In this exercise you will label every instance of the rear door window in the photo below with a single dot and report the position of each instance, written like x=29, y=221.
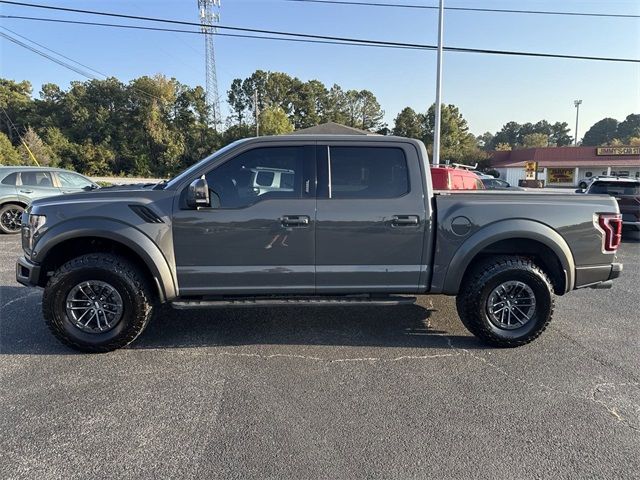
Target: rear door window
x=10, y=179
x=36, y=179
x=367, y=172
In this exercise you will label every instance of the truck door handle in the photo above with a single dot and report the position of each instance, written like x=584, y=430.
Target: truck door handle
x=404, y=220
x=295, y=221
x=26, y=191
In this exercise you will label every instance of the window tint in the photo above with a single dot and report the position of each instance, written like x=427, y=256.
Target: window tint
x=368, y=172
x=73, y=180
x=261, y=174
x=10, y=179
x=36, y=179
x=615, y=188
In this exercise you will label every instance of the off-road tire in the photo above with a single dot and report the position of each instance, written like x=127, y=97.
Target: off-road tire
x=5, y=208
x=125, y=277
x=477, y=286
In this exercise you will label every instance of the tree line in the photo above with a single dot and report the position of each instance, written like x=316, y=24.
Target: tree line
x=157, y=126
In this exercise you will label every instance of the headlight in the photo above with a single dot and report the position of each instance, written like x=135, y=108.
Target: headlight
x=31, y=231
x=36, y=222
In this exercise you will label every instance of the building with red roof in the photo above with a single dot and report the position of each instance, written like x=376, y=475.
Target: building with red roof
x=567, y=166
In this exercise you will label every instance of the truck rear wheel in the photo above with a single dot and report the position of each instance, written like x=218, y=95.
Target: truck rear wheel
x=97, y=303
x=506, y=301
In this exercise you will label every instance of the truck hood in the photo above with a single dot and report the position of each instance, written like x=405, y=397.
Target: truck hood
x=133, y=193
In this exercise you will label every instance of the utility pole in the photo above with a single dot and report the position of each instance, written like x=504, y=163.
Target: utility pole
x=436, y=133
x=577, y=104
x=256, y=111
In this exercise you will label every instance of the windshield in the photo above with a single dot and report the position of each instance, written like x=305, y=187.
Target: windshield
x=179, y=178
x=615, y=188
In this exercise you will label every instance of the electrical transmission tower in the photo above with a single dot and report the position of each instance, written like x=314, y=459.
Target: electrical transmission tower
x=210, y=15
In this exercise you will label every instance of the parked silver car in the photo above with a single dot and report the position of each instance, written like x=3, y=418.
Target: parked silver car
x=19, y=186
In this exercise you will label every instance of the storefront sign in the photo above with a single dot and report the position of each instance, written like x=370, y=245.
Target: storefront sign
x=560, y=175
x=618, y=151
x=530, y=169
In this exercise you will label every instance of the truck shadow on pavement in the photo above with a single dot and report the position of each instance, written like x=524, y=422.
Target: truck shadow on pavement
x=23, y=331
x=408, y=326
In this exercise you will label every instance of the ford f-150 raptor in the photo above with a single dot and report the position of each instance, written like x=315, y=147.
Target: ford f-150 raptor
x=356, y=222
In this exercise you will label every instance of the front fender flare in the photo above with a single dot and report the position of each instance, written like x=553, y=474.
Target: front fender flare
x=122, y=233
x=504, y=230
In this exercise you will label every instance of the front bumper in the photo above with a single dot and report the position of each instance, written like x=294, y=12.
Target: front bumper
x=27, y=272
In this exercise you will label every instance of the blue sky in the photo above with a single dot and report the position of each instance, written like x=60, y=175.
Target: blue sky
x=489, y=90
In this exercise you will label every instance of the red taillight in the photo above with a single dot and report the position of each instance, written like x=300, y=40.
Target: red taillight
x=611, y=224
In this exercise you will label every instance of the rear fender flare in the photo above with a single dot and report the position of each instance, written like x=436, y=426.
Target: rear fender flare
x=504, y=230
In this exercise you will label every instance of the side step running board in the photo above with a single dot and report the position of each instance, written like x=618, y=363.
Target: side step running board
x=294, y=302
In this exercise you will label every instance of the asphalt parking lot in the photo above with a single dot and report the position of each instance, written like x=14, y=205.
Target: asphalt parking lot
x=401, y=392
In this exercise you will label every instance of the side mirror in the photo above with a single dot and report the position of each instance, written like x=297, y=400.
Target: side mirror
x=580, y=190
x=198, y=194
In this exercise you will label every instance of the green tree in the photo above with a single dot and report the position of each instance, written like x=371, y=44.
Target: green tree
x=485, y=141
x=274, y=121
x=457, y=144
x=238, y=132
x=503, y=147
x=238, y=101
x=409, y=124
x=95, y=159
x=37, y=148
x=336, y=106
x=560, y=134
x=533, y=140
x=63, y=153
x=8, y=154
x=629, y=128
x=509, y=134
x=16, y=101
x=308, y=103
x=370, y=114
x=601, y=133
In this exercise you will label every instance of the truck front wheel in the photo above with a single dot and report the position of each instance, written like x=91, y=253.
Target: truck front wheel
x=506, y=301
x=97, y=302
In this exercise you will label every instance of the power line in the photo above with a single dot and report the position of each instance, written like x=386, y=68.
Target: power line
x=194, y=24
x=48, y=57
x=218, y=34
x=332, y=40
x=65, y=64
x=52, y=51
x=467, y=9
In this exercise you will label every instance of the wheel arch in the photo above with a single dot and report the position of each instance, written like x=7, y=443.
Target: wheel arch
x=74, y=237
x=14, y=202
x=519, y=238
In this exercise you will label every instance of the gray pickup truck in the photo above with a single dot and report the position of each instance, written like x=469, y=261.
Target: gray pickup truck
x=354, y=221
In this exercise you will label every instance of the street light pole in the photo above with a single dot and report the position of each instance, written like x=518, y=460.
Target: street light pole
x=436, y=133
x=256, y=111
x=577, y=104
